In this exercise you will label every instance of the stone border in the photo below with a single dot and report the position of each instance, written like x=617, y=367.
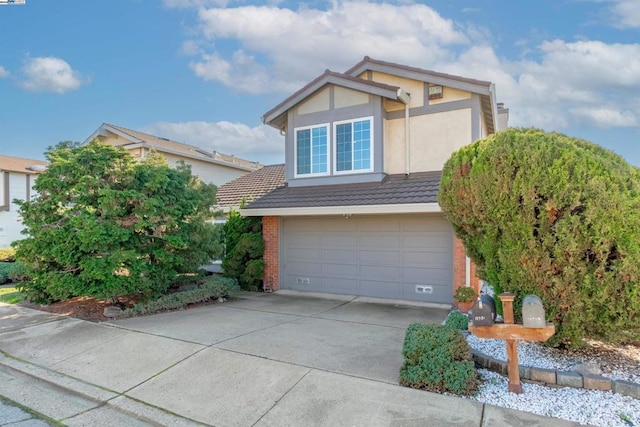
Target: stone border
x=552, y=377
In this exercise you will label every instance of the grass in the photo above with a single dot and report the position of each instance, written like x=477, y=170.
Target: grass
x=11, y=295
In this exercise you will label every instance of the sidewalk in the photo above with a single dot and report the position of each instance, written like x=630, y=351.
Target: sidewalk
x=267, y=360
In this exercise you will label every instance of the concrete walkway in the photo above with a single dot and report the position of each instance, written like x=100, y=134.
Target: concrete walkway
x=268, y=359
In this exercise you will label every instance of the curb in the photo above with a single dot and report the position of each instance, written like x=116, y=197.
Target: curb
x=559, y=378
x=101, y=396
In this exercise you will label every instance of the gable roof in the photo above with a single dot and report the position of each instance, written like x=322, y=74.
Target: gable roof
x=164, y=145
x=485, y=89
x=19, y=164
x=418, y=189
x=276, y=117
x=250, y=186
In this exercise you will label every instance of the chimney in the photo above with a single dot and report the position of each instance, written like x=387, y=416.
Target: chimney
x=503, y=116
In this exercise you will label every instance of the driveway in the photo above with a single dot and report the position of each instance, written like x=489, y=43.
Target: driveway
x=346, y=337
x=268, y=359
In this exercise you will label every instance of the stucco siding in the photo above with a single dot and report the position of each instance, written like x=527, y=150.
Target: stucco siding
x=11, y=221
x=217, y=175
x=433, y=137
x=317, y=102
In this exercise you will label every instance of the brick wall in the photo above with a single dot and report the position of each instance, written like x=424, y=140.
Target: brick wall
x=460, y=267
x=270, y=234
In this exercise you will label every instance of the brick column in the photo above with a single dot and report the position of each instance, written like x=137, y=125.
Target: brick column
x=460, y=267
x=270, y=234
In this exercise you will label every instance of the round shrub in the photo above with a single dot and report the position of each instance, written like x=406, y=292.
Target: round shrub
x=457, y=320
x=555, y=216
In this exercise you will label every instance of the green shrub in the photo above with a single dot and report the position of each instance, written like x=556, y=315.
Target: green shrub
x=209, y=288
x=7, y=254
x=104, y=225
x=245, y=248
x=546, y=214
x=18, y=272
x=457, y=320
x=5, y=267
x=437, y=359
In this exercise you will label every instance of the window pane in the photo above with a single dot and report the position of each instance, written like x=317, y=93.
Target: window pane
x=343, y=147
x=303, y=140
x=319, y=150
x=362, y=145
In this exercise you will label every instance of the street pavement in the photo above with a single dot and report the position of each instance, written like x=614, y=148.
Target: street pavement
x=264, y=359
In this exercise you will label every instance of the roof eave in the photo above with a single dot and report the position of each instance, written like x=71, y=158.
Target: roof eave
x=346, y=210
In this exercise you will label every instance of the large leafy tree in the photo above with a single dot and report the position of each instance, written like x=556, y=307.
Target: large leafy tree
x=104, y=225
x=546, y=214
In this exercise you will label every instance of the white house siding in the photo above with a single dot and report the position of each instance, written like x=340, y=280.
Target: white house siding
x=10, y=221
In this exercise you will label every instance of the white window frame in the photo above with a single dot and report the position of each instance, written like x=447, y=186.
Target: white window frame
x=334, y=147
x=295, y=151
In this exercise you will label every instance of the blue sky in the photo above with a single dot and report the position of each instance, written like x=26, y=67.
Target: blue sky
x=204, y=71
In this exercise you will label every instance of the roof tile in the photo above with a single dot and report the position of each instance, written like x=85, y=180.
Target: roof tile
x=394, y=189
x=251, y=186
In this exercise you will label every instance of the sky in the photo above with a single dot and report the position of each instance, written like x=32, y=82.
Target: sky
x=203, y=72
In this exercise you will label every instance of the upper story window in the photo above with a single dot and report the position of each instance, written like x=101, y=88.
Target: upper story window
x=353, y=146
x=311, y=150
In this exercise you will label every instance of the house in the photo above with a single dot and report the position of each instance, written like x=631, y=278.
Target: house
x=210, y=166
x=17, y=177
x=364, y=150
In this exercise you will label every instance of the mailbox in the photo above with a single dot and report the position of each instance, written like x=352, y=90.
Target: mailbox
x=483, y=312
x=533, y=312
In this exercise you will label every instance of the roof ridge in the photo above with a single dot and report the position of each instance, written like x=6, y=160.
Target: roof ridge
x=24, y=158
x=124, y=129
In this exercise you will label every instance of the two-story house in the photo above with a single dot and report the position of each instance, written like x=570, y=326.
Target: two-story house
x=17, y=178
x=210, y=166
x=364, y=153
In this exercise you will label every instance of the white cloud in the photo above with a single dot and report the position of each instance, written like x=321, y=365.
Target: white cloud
x=3, y=72
x=261, y=143
x=293, y=46
x=626, y=13
x=555, y=85
x=50, y=74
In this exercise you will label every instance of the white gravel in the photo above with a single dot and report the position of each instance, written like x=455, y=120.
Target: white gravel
x=592, y=407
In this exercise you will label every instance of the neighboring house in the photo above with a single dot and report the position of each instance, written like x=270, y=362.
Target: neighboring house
x=17, y=177
x=210, y=166
x=364, y=152
x=249, y=187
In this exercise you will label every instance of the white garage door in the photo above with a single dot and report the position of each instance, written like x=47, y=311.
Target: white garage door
x=405, y=257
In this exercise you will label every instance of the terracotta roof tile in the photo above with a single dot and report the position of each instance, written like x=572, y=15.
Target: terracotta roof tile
x=252, y=186
x=394, y=189
x=19, y=164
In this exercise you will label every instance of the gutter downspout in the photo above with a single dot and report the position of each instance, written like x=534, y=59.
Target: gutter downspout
x=406, y=99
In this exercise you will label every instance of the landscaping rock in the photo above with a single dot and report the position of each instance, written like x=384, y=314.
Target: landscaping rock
x=112, y=311
x=588, y=368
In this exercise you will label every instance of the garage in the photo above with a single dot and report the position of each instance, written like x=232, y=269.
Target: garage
x=407, y=257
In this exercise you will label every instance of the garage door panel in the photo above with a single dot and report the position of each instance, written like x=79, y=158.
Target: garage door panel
x=339, y=226
x=304, y=268
x=340, y=270
x=384, y=257
x=427, y=240
x=343, y=255
x=380, y=272
x=302, y=253
x=376, y=226
x=420, y=275
x=379, y=256
x=382, y=240
x=338, y=240
x=339, y=285
x=426, y=258
x=380, y=289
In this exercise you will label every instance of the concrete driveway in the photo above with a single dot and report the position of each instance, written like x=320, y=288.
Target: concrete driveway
x=269, y=359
